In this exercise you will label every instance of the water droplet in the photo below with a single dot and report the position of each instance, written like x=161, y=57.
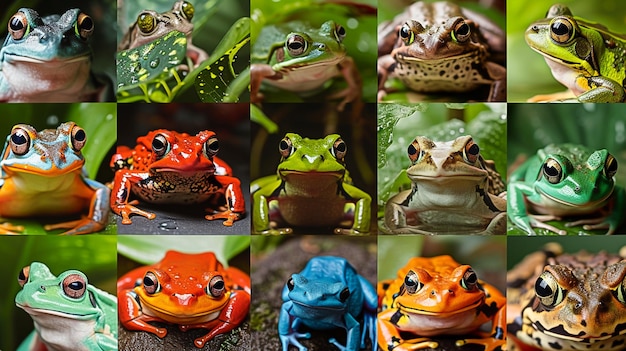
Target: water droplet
x=155, y=63
x=168, y=225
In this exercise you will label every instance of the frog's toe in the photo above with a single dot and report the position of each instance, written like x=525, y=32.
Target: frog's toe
x=126, y=210
x=229, y=216
x=8, y=228
x=336, y=343
x=80, y=226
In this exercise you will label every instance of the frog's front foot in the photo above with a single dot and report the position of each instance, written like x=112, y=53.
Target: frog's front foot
x=415, y=344
x=292, y=339
x=229, y=215
x=127, y=209
x=593, y=224
x=489, y=343
x=8, y=228
x=527, y=223
x=339, y=346
x=79, y=226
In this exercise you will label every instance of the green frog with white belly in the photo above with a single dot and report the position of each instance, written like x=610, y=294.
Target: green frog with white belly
x=299, y=58
x=566, y=180
x=440, y=47
x=584, y=56
x=453, y=190
x=48, y=59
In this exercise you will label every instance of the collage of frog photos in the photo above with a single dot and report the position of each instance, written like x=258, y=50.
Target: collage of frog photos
x=313, y=175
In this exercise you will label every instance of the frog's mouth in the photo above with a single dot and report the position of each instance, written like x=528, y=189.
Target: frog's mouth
x=42, y=312
x=587, y=205
x=469, y=307
x=312, y=309
x=11, y=58
x=52, y=171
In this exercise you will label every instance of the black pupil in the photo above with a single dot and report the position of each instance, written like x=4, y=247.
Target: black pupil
x=551, y=171
x=80, y=135
x=157, y=144
x=612, y=166
x=76, y=286
x=471, y=279
x=341, y=31
x=214, y=146
x=147, y=281
x=474, y=149
x=411, y=150
x=87, y=23
x=463, y=29
x=542, y=288
x=559, y=28
x=16, y=24
x=284, y=145
x=404, y=32
x=295, y=45
x=219, y=285
x=21, y=276
x=18, y=139
x=345, y=293
x=409, y=281
x=341, y=147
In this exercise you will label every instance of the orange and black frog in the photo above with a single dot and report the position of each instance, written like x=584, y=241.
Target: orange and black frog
x=167, y=167
x=434, y=297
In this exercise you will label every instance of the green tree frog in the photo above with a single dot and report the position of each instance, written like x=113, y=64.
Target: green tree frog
x=312, y=188
x=566, y=180
x=68, y=312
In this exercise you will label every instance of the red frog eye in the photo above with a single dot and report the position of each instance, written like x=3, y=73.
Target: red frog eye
x=285, y=147
x=74, y=286
x=216, y=287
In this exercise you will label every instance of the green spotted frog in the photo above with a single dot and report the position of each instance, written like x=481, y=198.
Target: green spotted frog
x=299, y=58
x=48, y=59
x=441, y=47
x=453, y=189
x=565, y=302
x=312, y=188
x=566, y=180
x=68, y=312
x=584, y=56
x=151, y=25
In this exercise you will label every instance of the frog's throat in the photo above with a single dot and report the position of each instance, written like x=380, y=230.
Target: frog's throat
x=588, y=204
x=35, y=312
x=407, y=58
x=52, y=171
x=557, y=60
x=474, y=305
x=181, y=315
x=19, y=58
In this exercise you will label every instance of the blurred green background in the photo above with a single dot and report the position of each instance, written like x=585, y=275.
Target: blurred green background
x=528, y=74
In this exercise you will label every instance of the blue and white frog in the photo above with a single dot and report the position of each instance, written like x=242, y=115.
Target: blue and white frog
x=328, y=294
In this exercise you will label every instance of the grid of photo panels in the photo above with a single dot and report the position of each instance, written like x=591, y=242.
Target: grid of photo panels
x=313, y=175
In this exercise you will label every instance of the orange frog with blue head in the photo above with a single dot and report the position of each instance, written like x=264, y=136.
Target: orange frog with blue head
x=190, y=290
x=167, y=167
x=41, y=174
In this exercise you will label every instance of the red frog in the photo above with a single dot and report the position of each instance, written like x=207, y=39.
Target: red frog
x=167, y=167
x=190, y=290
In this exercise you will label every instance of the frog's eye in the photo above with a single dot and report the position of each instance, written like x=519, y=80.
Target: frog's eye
x=610, y=166
x=412, y=283
x=216, y=287
x=296, y=45
x=414, y=151
x=74, y=286
x=151, y=283
x=339, y=149
x=340, y=33
x=344, y=294
x=22, y=277
x=461, y=32
x=469, y=280
x=84, y=26
x=471, y=151
x=211, y=147
x=553, y=171
x=561, y=30
x=548, y=290
x=146, y=22
x=188, y=10
x=406, y=34
x=20, y=141
x=160, y=145
x=291, y=284
x=286, y=147
x=18, y=26
x=78, y=138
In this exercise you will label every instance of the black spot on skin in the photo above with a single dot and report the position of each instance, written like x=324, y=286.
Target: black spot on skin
x=555, y=345
x=441, y=73
x=395, y=318
x=617, y=342
x=489, y=310
x=583, y=323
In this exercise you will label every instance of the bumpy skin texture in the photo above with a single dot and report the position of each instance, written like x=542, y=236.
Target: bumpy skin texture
x=192, y=291
x=566, y=301
x=167, y=167
x=327, y=294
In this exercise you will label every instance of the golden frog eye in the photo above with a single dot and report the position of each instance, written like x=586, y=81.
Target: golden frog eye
x=188, y=10
x=146, y=23
x=562, y=30
x=160, y=145
x=339, y=149
x=20, y=141
x=340, y=33
x=412, y=283
x=610, y=166
x=74, y=286
x=414, y=151
x=22, y=277
x=84, y=26
x=296, y=45
x=406, y=34
x=151, y=283
x=18, y=26
x=552, y=170
x=286, y=147
x=469, y=280
x=78, y=138
x=211, y=147
x=548, y=290
x=461, y=31
x=216, y=287
x=471, y=151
